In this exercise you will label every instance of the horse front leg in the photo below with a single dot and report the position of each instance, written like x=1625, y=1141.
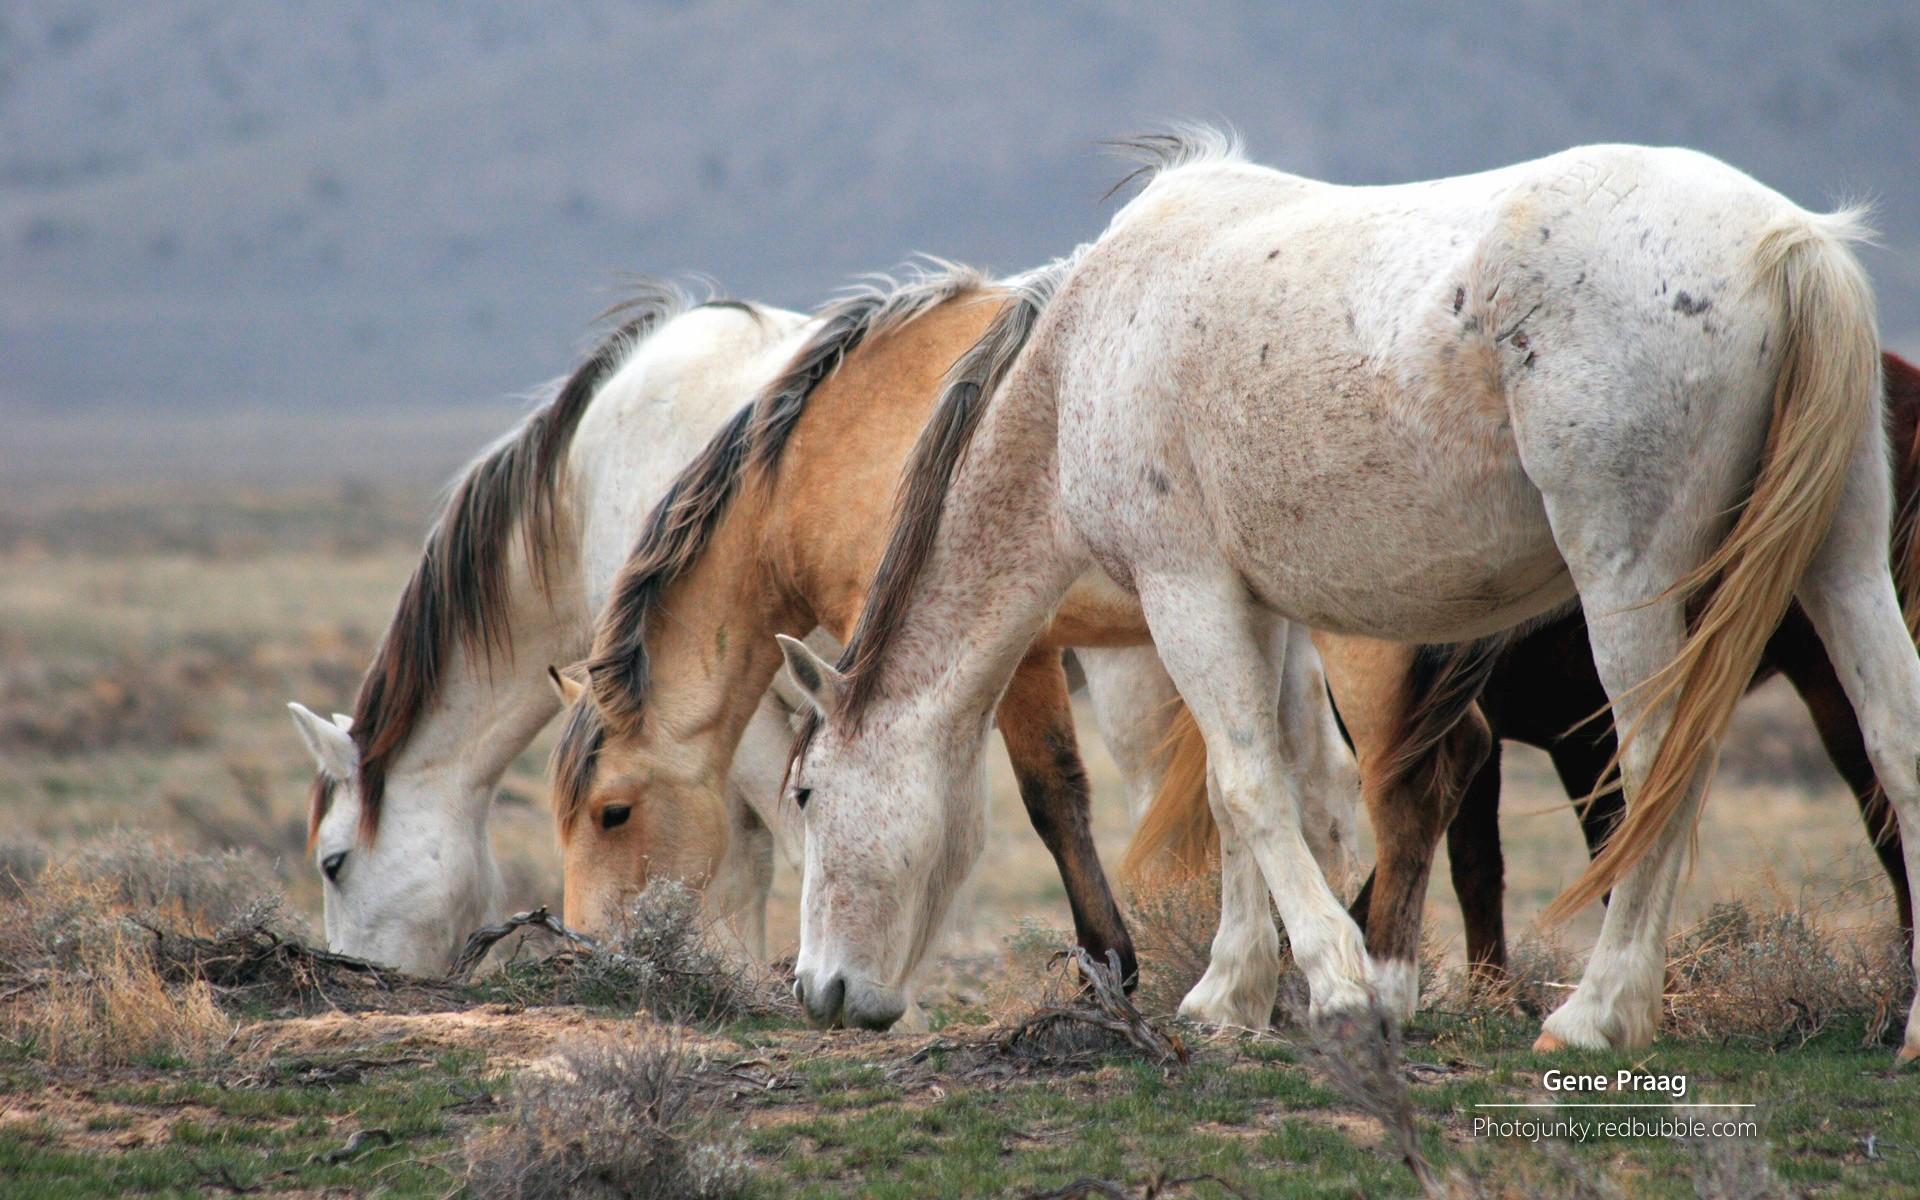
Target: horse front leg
x=1036, y=720
x=1227, y=658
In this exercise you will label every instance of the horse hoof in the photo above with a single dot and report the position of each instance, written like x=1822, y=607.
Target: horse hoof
x=1546, y=1043
x=1906, y=1056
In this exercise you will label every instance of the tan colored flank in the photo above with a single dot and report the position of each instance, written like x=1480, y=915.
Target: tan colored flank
x=1823, y=399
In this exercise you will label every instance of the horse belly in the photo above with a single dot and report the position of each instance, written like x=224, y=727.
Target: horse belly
x=1330, y=514
x=1374, y=571
x=1355, y=521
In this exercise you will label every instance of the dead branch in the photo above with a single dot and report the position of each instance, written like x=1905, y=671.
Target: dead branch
x=483, y=939
x=1359, y=1053
x=1110, y=1009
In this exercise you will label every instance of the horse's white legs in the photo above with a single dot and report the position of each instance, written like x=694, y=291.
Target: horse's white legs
x=1240, y=983
x=1228, y=658
x=756, y=853
x=744, y=878
x=1243, y=969
x=1624, y=549
x=1132, y=697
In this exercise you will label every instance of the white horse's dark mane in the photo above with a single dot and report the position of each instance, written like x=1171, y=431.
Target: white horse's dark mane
x=457, y=596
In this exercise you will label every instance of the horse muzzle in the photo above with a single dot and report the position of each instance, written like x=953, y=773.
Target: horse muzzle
x=832, y=1001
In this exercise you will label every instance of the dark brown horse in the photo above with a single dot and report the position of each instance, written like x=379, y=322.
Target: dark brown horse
x=1541, y=689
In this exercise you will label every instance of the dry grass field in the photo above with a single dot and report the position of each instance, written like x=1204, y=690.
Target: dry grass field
x=151, y=631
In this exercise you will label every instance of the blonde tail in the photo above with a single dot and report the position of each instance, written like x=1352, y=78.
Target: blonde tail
x=1176, y=839
x=1823, y=400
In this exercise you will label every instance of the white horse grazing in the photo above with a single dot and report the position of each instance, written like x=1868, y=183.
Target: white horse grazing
x=513, y=570
x=1422, y=412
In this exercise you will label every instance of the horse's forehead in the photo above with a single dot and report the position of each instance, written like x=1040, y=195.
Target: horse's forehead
x=340, y=824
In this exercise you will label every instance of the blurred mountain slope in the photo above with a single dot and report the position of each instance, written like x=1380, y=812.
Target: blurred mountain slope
x=206, y=206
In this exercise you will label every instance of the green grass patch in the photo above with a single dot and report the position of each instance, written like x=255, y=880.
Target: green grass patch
x=277, y=1138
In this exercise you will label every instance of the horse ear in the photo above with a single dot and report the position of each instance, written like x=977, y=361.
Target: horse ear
x=331, y=746
x=569, y=690
x=820, y=683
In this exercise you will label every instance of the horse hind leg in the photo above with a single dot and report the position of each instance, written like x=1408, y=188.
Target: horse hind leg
x=1410, y=804
x=1848, y=592
x=1479, y=872
x=1626, y=536
x=1803, y=660
x=1618, y=1001
x=1133, y=704
x=1328, y=776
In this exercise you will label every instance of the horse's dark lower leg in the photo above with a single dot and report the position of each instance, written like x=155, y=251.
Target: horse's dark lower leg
x=1480, y=872
x=1580, y=763
x=1037, y=722
x=1409, y=818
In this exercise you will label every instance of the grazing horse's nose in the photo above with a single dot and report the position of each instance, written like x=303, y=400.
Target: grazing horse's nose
x=870, y=1007
x=822, y=1001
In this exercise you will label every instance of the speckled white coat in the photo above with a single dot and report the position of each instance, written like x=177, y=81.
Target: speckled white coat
x=1421, y=412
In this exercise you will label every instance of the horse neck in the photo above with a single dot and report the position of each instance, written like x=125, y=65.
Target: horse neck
x=834, y=490
x=711, y=651
x=488, y=708
x=1003, y=558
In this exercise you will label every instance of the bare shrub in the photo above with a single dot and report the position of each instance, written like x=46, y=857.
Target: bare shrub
x=124, y=950
x=1777, y=978
x=1540, y=969
x=619, y=1118
x=666, y=959
x=118, y=1009
x=81, y=983
x=259, y=963
x=20, y=864
x=1027, y=979
x=1173, y=923
x=1359, y=1055
x=1096, y=1019
x=163, y=883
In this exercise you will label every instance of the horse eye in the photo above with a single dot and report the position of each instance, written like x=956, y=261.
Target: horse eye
x=802, y=795
x=330, y=865
x=615, y=815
